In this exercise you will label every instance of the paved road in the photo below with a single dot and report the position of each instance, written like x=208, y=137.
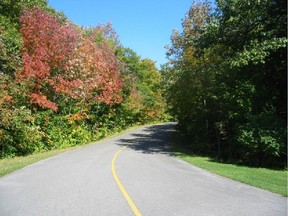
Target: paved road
x=80, y=182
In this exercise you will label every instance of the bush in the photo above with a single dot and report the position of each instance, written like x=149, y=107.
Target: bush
x=263, y=140
x=19, y=135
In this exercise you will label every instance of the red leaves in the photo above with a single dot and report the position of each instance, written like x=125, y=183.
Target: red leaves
x=45, y=36
x=58, y=59
x=34, y=67
x=48, y=44
x=110, y=87
x=65, y=86
x=96, y=67
x=42, y=101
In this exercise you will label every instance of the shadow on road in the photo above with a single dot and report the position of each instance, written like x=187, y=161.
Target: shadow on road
x=151, y=140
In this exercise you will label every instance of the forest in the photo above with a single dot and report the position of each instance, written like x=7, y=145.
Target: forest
x=225, y=81
x=64, y=85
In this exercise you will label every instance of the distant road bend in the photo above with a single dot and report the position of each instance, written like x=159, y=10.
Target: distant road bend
x=99, y=179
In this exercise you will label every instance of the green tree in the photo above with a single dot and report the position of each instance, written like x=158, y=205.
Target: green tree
x=227, y=79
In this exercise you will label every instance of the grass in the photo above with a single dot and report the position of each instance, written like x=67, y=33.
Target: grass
x=9, y=165
x=267, y=179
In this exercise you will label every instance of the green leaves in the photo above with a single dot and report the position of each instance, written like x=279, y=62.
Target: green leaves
x=49, y=64
x=225, y=68
x=143, y=99
x=263, y=139
x=256, y=52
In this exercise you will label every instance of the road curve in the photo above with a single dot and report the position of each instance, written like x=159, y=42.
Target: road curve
x=81, y=182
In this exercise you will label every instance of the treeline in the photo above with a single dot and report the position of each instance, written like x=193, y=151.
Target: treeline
x=226, y=81
x=62, y=85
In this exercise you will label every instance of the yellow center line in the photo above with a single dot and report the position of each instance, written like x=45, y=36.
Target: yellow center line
x=120, y=185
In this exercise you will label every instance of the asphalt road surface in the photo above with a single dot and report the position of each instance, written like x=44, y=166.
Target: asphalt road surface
x=81, y=182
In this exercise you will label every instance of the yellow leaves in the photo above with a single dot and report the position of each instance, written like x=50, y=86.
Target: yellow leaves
x=77, y=117
x=135, y=101
x=189, y=53
x=151, y=113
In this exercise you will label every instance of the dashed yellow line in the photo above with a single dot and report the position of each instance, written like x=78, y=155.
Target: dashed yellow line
x=121, y=187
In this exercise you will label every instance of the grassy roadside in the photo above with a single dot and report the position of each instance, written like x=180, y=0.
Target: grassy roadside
x=267, y=179
x=9, y=165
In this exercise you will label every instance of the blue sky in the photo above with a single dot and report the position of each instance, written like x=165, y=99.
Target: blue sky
x=142, y=25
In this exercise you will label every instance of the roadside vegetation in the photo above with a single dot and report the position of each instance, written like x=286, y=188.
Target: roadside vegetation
x=63, y=85
x=268, y=179
x=226, y=81
x=226, y=84
x=9, y=165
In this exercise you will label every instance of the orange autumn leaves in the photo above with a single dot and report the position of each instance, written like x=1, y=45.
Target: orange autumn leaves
x=61, y=59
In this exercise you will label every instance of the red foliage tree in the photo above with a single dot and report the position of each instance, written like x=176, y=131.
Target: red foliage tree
x=48, y=44
x=60, y=59
x=96, y=66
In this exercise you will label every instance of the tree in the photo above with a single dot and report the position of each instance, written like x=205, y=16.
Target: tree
x=220, y=73
x=48, y=45
x=57, y=58
x=62, y=85
x=143, y=91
